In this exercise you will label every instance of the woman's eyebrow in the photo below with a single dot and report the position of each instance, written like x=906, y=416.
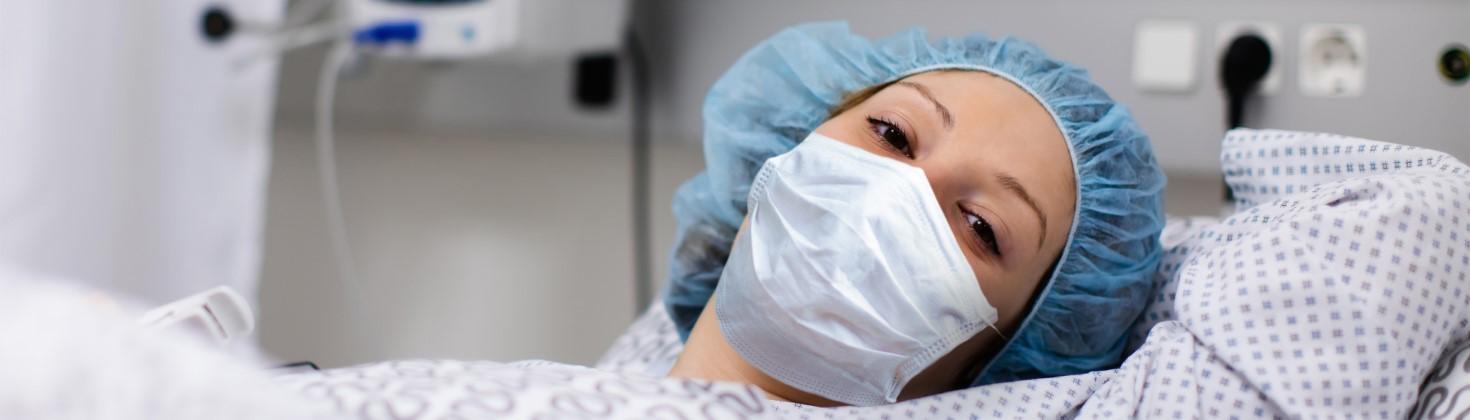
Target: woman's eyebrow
x=924, y=91
x=1013, y=185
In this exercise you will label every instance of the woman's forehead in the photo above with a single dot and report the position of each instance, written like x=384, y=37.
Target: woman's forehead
x=996, y=116
x=974, y=88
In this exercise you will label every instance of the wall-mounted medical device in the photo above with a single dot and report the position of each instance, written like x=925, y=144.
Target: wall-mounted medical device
x=447, y=29
x=433, y=29
x=591, y=31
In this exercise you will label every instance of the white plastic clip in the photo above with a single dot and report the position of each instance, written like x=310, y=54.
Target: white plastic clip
x=220, y=313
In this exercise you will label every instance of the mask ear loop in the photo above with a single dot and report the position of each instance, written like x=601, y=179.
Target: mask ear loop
x=974, y=370
x=998, y=332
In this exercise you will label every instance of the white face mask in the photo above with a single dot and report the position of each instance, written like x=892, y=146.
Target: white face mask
x=848, y=281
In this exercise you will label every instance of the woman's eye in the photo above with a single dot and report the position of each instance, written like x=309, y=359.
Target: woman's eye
x=983, y=231
x=892, y=135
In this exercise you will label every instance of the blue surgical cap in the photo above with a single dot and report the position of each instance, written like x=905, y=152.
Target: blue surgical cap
x=785, y=87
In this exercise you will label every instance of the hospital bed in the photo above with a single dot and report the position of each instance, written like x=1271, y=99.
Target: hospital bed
x=1338, y=287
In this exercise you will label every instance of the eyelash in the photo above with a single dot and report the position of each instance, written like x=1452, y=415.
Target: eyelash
x=983, y=231
x=884, y=128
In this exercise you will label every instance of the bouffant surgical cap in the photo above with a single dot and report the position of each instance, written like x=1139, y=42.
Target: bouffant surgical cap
x=785, y=87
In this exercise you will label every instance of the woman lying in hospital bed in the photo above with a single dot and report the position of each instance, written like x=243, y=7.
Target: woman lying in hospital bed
x=966, y=227
x=962, y=212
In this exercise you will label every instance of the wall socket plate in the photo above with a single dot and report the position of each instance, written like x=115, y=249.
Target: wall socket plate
x=1164, y=55
x=1333, y=60
x=1227, y=31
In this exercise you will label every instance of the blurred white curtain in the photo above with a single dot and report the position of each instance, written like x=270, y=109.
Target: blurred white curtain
x=133, y=153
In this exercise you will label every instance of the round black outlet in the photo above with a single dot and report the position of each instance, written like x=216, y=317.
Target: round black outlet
x=1454, y=64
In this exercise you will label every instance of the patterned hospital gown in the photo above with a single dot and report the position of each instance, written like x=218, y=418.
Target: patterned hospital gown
x=1330, y=293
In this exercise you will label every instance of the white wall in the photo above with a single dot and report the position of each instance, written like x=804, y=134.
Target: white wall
x=468, y=246
x=1405, y=100
x=133, y=152
x=490, y=216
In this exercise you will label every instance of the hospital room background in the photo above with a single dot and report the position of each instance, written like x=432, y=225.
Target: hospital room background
x=490, y=209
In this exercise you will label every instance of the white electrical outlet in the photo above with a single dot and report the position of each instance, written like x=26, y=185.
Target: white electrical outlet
x=1334, y=60
x=1227, y=31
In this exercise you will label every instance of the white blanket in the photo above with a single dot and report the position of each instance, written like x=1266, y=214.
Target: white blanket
x=69, y=352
